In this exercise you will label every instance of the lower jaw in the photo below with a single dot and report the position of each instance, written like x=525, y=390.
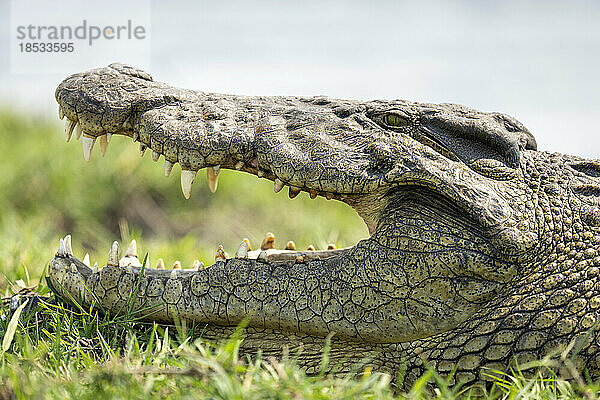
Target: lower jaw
x=206, y=295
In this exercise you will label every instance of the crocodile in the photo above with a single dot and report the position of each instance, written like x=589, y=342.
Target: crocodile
x=483, y=253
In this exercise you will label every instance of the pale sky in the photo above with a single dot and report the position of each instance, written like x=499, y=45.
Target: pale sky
x=538, y=61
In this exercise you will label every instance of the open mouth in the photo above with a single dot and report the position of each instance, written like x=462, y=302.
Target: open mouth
x=265, y=251
x=424, y=178
x=299, y=144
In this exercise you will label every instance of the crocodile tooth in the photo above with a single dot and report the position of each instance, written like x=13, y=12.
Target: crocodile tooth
x=290, y=245
x=239, y=165
x=262, y=256
x=155, y=156
x=88, y=145
x=61, y=252
x=260, y=173
x=68, y=248
x=103, y=142
x=331, y=246
x=131, y=249
x=242, y=251
x=78, y=131
x=187, y=178
x=293, y=192
x=160, y=264
x=69, y=126
x=168, y=167
x=198, y=265
x=95, y=268
x=313, y=194
x=113, y=255
x=310, y=247
x=131, y=257
x=108, y=137
x=173, y=274
x=61, y=113
x=212, y=173
x=299, y=258
x=277, y=185
x=247, y=243
x=73, y=268
x=268, y=242
x=143, y=148
x=177, y=265
x=328, y=195
x=220, y=255
x=86, y=259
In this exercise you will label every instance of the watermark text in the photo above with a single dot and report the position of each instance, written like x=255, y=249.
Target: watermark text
x=78, y=34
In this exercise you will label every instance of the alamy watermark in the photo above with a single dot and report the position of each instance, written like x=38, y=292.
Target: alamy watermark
x=70, y=35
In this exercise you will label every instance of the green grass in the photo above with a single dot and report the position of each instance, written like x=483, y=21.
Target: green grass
x=53, y=351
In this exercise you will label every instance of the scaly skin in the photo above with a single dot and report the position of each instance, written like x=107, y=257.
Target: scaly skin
x=483, y=251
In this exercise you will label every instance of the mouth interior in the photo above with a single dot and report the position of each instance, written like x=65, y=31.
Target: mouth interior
x=266, y=251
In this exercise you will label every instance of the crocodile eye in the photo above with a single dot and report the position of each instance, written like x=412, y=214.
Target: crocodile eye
x=394, y=120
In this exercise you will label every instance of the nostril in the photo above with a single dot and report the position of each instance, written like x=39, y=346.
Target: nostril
x=132, y=71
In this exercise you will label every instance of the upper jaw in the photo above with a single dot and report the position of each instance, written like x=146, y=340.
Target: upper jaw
x=199, y=130
x=310, y=145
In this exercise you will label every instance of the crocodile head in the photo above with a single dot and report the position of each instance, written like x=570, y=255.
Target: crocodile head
x=360, y=153
x=461, y=208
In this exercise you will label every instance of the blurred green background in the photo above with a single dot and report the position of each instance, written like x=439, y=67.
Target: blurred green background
x=47, y=190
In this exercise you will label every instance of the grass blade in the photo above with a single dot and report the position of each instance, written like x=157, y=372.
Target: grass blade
x=12, y=327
